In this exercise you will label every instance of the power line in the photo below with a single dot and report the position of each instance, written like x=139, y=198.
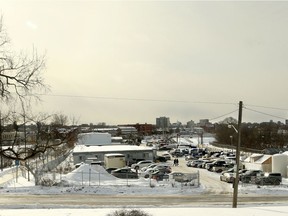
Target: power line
x=161, y=100
x=263, y=113
x=138, y=99
x=177, y=101
x=223, y=115
x=267, y=107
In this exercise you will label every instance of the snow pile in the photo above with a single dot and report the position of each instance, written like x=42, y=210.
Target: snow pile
x=85, y=171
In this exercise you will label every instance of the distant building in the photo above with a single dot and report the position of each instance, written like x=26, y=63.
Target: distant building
x=125, y=130
x=163, y=123
x=142, y=129
x=94, y=139
x=190, y=124
x=206, y=125
x=203, y=122
x=10, y=138
x=113, y=130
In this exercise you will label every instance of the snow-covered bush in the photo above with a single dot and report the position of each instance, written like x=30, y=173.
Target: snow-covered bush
x=132, y=212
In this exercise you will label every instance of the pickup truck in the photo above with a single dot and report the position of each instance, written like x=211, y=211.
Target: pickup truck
x=269, y=179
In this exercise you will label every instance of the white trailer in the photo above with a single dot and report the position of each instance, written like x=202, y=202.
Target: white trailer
x=114, y=161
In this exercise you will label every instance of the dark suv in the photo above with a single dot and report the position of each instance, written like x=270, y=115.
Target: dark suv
x=269, y=179
x=250, y=175
x=209, y=166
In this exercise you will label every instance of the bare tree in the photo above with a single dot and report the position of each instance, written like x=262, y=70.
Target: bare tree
x=20, y=74
x=37, y=144
x=40, y=138
x=60, y=119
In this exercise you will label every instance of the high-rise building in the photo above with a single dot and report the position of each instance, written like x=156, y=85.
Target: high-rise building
x=163, y=122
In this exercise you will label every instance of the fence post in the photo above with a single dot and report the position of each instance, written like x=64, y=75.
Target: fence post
x=89, y=175
x=99, y=178
x=198, y=177
x=82, y=177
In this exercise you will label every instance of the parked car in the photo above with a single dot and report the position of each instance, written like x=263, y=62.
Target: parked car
x=160, y=159
x=146, y=173
x=250, y=175
x=179, y=177
x=165, y=148
x=231, y=170
x=164, y=168
x=124, y=172
x=227, y=177
x=209, y=166
x=143, y=169
x=220, y=168
x=141, y=164
x=269, y=179
x=188, y=163
x=193, y=163
x=203, y=164
x=159, y=175
x=177, y=153
x=167, y=156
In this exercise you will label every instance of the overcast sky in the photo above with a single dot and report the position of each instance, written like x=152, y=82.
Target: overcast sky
x=133, y=61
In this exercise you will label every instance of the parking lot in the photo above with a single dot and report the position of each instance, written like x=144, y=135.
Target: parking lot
x=209, y=180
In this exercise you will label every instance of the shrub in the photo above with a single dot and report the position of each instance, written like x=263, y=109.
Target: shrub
x=132, y=212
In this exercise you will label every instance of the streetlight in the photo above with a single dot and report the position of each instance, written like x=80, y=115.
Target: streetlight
x=232, y=126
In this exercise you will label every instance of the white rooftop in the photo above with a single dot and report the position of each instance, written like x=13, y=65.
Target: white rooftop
x=107, y=148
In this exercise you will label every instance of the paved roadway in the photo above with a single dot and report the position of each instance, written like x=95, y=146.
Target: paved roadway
x=217, y=194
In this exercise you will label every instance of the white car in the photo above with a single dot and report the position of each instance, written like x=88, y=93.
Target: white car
x=141, y=164
x=146, y=173
x=143, y=169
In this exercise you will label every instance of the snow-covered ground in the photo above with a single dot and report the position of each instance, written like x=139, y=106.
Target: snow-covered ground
x=74, y=182
x=247, y=211
x=107, y=184
x=112, y=186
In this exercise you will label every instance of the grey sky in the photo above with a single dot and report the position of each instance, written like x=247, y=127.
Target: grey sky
x=133, y=61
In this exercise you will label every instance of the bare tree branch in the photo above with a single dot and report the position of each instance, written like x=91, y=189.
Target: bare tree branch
x=19, y=74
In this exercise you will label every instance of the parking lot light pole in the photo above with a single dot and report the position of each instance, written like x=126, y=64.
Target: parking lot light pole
x=231, y=143
x=235, y=185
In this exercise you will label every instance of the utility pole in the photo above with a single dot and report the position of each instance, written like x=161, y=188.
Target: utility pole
x=236, y=181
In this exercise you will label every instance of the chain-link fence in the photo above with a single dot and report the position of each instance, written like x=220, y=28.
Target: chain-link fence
x=9, y=175
x=92, y=177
